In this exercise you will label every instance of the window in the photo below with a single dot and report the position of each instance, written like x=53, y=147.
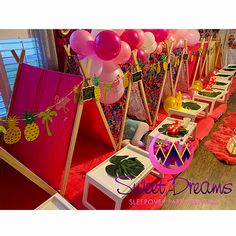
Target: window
x=33, y=57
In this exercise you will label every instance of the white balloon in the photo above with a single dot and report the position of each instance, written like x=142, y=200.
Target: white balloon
x=95, y=32
x=151, y=48
x=149, y=39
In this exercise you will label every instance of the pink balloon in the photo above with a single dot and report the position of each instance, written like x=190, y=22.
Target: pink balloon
x=141, y=37
x=160, y=34
x=119, y=32
x=159, y=48
x=180, y=44
x=82, y=42
x=142, y=55
x=181, y=34
x=109, y=66
x=107, y=45
x=131, y=37
x=115, y=79
x=124, y=54
x=186, y=96
x=192, y=37
x=172, y=31
x=192, y=91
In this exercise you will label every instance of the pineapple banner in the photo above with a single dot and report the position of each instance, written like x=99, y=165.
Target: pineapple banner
x=42, y=93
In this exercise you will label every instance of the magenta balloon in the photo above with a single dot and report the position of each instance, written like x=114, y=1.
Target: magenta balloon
x=160, y=34
x=193, y=37
x=82, y=42
x=186, y=96
x=142, y=55
x=115, y=79
x=141, y=37
x=124, y=54
x=131, y=37
x=107, y=45
x=192, y=91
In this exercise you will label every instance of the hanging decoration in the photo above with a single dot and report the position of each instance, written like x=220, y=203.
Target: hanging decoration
x=13, y=133
x=47, y=116
x=31, y=131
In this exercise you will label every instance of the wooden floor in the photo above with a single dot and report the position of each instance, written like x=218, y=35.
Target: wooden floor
x=205, y=167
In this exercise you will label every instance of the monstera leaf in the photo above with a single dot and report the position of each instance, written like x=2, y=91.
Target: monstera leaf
x=191, y=105
x=220, y=83
x=124, y=167
x=209, y=94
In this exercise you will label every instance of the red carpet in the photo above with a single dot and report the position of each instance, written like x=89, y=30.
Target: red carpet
x=219, y=139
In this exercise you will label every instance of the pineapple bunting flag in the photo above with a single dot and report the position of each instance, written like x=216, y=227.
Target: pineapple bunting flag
x=31, y=131
x=13, y=132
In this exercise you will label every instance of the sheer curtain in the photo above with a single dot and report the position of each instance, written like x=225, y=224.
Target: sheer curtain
x=229, y=54
x=46, y=45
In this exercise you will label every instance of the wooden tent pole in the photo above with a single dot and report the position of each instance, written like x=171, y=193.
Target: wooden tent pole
x=13, y=162
x=162, y=88
x=204, y=65
x=170, y=74
x=218, y=51
x=198, y=61
x=124, y=117
x=180, y=66
x=140, y=83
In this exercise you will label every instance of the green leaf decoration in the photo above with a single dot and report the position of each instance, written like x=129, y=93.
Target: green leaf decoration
x=117, y=159
x=140, y=63
x=222, y=75
x=191, y=105
x=209, y=94
x=221, y=83
x=228, y=69
x=95, y=80
x=29, y=117
x=124, y=167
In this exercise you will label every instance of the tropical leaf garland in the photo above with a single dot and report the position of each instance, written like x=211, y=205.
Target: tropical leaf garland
x=124, y=167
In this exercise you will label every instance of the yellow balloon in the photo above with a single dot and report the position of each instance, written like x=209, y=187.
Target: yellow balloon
x=170, y=102
x=199, y=88
x=198, y=83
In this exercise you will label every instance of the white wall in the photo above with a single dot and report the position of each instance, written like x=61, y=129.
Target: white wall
x=14, y=33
